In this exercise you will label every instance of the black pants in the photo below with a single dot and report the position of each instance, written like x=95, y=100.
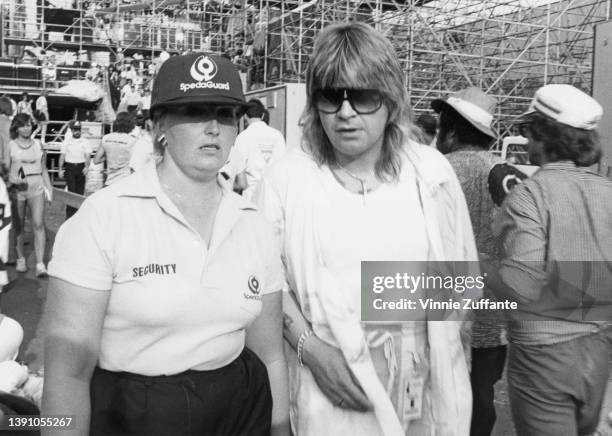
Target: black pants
x=487, y=369
x=233, y=400
x=75, y=180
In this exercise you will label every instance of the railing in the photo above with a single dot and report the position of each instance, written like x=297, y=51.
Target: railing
x=23, y=75
x=68, y=198
x=142, y=32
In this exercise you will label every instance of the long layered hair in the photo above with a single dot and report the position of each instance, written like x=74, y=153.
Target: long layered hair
x=354, y=55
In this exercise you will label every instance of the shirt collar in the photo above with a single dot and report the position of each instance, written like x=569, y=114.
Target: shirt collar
x=255, y=123
x=560, y=165
x=145, y=184
x=430, y=173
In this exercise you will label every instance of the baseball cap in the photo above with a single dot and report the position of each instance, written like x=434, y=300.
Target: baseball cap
x=197, y=78
x=473, y=105
x=75, y=125
x=566, y=105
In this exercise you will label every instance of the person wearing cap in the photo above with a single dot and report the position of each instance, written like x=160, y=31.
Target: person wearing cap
x=165, y=290
x=360, y=188
x=74, y=160
x=555, y=235
x=256, y=148
x=464, y=137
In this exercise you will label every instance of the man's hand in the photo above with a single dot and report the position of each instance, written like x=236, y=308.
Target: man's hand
x=60, y=173
x=85, y=169
x=333, y=376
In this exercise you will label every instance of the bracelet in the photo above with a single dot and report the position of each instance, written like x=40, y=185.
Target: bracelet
x=300, y=345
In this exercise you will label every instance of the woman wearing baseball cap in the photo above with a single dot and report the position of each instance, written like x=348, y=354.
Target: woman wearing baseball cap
x=360, y=190
x=164, y=316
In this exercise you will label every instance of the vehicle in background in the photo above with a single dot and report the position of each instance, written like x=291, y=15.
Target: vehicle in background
x=514, y=151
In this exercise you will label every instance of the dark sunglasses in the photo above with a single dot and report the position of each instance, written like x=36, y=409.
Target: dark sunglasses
x=363, y=101
x=223, y=114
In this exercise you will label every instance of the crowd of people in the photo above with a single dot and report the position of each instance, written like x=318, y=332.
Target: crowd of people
x=171, y=295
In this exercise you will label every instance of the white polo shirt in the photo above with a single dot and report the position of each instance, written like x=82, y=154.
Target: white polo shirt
x=260, y=145
x=174, y=304
x=75, y=150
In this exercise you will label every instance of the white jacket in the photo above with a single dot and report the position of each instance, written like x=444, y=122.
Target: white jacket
x=293, y=197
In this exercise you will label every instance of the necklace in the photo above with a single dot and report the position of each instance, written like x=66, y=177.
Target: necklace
x=28, y=144
x=362, y=181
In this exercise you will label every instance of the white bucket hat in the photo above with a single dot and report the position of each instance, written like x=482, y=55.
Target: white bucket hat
x=473, y=105
x=566, y=105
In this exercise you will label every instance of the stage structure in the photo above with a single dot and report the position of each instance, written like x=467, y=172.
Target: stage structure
x=507, y=47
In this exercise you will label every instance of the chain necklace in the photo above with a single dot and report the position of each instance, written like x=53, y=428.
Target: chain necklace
x=362, y=181
x=28, y=143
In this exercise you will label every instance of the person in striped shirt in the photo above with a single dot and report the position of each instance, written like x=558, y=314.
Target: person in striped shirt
x=555, y=236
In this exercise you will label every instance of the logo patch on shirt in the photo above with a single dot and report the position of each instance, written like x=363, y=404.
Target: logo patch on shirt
x=254, y=285
x=254, y=288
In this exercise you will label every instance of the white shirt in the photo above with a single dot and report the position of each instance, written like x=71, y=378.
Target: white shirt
x=146, y=102
x=118, y=150
x=75, y=150
x=175, y=304
x=41, y=105
x=133, y=98
x=5, y=227
x=324, y=231
x=235, y=165
x=126, y=90
x=142, y=151
x=259, y=145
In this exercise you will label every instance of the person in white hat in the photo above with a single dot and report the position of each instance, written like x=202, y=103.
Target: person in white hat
x=555, y=236
x=465, y=135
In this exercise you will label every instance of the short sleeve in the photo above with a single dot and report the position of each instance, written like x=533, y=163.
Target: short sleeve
x=82, y=253
x=274, y=279
x=236, y=161
x=269, y=202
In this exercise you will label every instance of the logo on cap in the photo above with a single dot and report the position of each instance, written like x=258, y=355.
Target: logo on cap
x=204, y=68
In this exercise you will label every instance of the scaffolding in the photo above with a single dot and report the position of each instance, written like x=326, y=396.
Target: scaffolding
x=509, y=48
